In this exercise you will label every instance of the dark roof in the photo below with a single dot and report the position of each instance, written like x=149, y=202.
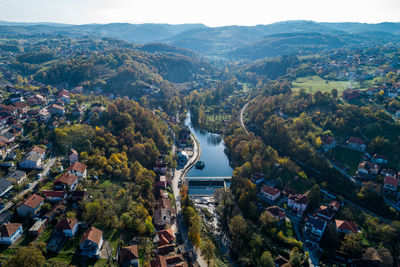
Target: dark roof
x=270, y=190
x=4, y=184
x=346, y=226
x=66, y=224
x=325, y=211
x=16, y=175
x=165, y=237
x=66, y=178
x=127, y=254
x=33, y=201
x=8, y=229
x=316, y=223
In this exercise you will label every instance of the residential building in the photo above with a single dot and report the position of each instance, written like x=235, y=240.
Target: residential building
x=276, y=212
x=44, y=115
x=379, y=159
x=31, y=161
x=346, y=227
x=38, y=227
x=270, y=193
x=368, y=170
x=91, y=242
x=328, y=142
x=10, y=232
x=16, y=177
x=73, y=156
x=298, y=203
x=66, y=181
x=30, y=206
x=170, y=261
x=67, y=226
x=314, y=229
x=356, y=144
x=78, y=169
x=391, y=183
x=325, y=213
x=5, y=186
x=164, y=237
x=335, y=205
x=57, y=109
x=129, y=256
x=54, y=196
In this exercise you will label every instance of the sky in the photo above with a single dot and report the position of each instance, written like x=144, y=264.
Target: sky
x=208, y=12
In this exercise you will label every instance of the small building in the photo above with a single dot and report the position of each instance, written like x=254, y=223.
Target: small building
x=10, y=232
x=72, y=156
x=314, y=229
x=270, y=193
x=276, y=212
x=78, y=169
x=78, y=195
x=38, y=227
x=30, y=206
x=350, y=94
x=57, y=110
x=346, y=227
x=368, y=169
x=356, y=144
x=44, y=115
x=391, y=183
x=67, y=227
x=54, y=196
x=379, y=159
x=37, y=150
x=325, y=213
x=31, y=161
x=91, y=243
x=162, y=217
x=298, y=203
x=335, y=205
x=16, y=177
x=164, y=237
x=170, y=260
x=66, y=181
x=129, y=256
x=5, y=186
x=328, y=142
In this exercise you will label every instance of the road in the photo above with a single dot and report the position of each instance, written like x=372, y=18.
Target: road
x=179, y=225
x=241, y=118
x=44, y=172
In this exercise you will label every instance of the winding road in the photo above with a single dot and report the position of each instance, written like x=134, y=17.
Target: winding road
x=241, y=118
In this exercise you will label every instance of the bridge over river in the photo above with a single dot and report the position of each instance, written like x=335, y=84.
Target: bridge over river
x=205, y=186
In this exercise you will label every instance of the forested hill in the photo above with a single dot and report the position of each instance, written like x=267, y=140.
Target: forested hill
x=249, y=42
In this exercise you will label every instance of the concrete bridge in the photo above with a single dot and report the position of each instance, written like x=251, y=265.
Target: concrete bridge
x=206, y=185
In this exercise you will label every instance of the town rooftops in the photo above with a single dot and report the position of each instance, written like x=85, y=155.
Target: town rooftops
x=8, y=229
x=38, y=150
x=325, y=211
x=391, y=181
x=299, y=198
x=346, y=226
x=128, y=254
x=66, y=224
x=93, y=234
x=316, y=223
x=276, y=212
x=165, y=237
x=270, y=190
x=355, y=140
x=66, y=178
x=33, y=201
x=77, y=166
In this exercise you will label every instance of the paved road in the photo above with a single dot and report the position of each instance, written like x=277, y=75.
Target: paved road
x=241, y=118
x=44, y=172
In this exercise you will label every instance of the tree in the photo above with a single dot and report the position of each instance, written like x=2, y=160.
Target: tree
x=351, y=244
x=29, y=256
x=239, y=233
x=295, y=258
x=266, y=260
x=194, y=231
x=314, y=195
x=208, y=251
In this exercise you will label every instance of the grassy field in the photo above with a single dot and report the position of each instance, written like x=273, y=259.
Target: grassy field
x=315, y=83
x=347, y=158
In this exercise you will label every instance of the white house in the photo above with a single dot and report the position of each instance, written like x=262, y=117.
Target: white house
x=78, y=169
x=270, y=193
x=91, y=242
x=31, y=161
x=298, y=203
x=10, y=232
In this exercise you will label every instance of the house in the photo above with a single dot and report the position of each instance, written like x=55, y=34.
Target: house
x=391, y=183
x=325, y=213
x=66, y=181
x=36, y=100
x=7, y=137
x=367, y=169
x=349, y=94
x=78, y=195
x=72, y=156
x=164, y=237
x=276, y=212
x=388, y=173
x=10, y=232
x=335, y=205
x=162, y=183
x=37, y=150
x=44, y=115
x=56, y=110
x=270, y=193
x=31, y=161
x=57, y=209
x=170, y=261
x=129, y=256
x=30, y=206
x=314, y=229
x=78, y=169
x=281, y=261
x=5, y=186
x=162, y=217
x=356, y=144
x=38, y=227
x=67, y=227
x=346, y=227
x=379, y=159
x=328, y=142
x=21, y=107
x=298, y=203
x=91, y=243
x=54, y=196
x=5, y=217
x=16, y=177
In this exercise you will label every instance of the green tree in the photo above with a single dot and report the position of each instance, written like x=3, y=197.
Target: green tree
x=208, y=251
x=239, y=233
x=266, y=260
x=29, y=256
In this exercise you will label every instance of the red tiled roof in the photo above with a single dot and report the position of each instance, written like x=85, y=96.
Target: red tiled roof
x=391, y=181
x=334, y=203
x=270, y=190
x=77, y=166
x=127, y=254
x=93, y=234
x=57, y=106
x=165, y=237
x=33, y=201
x=346, y=226
x=51, y=193
x=8, y=229
x=38, y=150
x=355, y=140
x=66, y=224
x=66, y=178
x=276, y=211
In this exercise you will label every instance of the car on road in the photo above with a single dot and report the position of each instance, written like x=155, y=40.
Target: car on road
x=38, y=176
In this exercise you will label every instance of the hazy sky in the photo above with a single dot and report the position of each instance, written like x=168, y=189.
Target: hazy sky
x=209, y=12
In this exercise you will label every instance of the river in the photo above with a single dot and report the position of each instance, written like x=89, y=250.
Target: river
x=212, y=154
